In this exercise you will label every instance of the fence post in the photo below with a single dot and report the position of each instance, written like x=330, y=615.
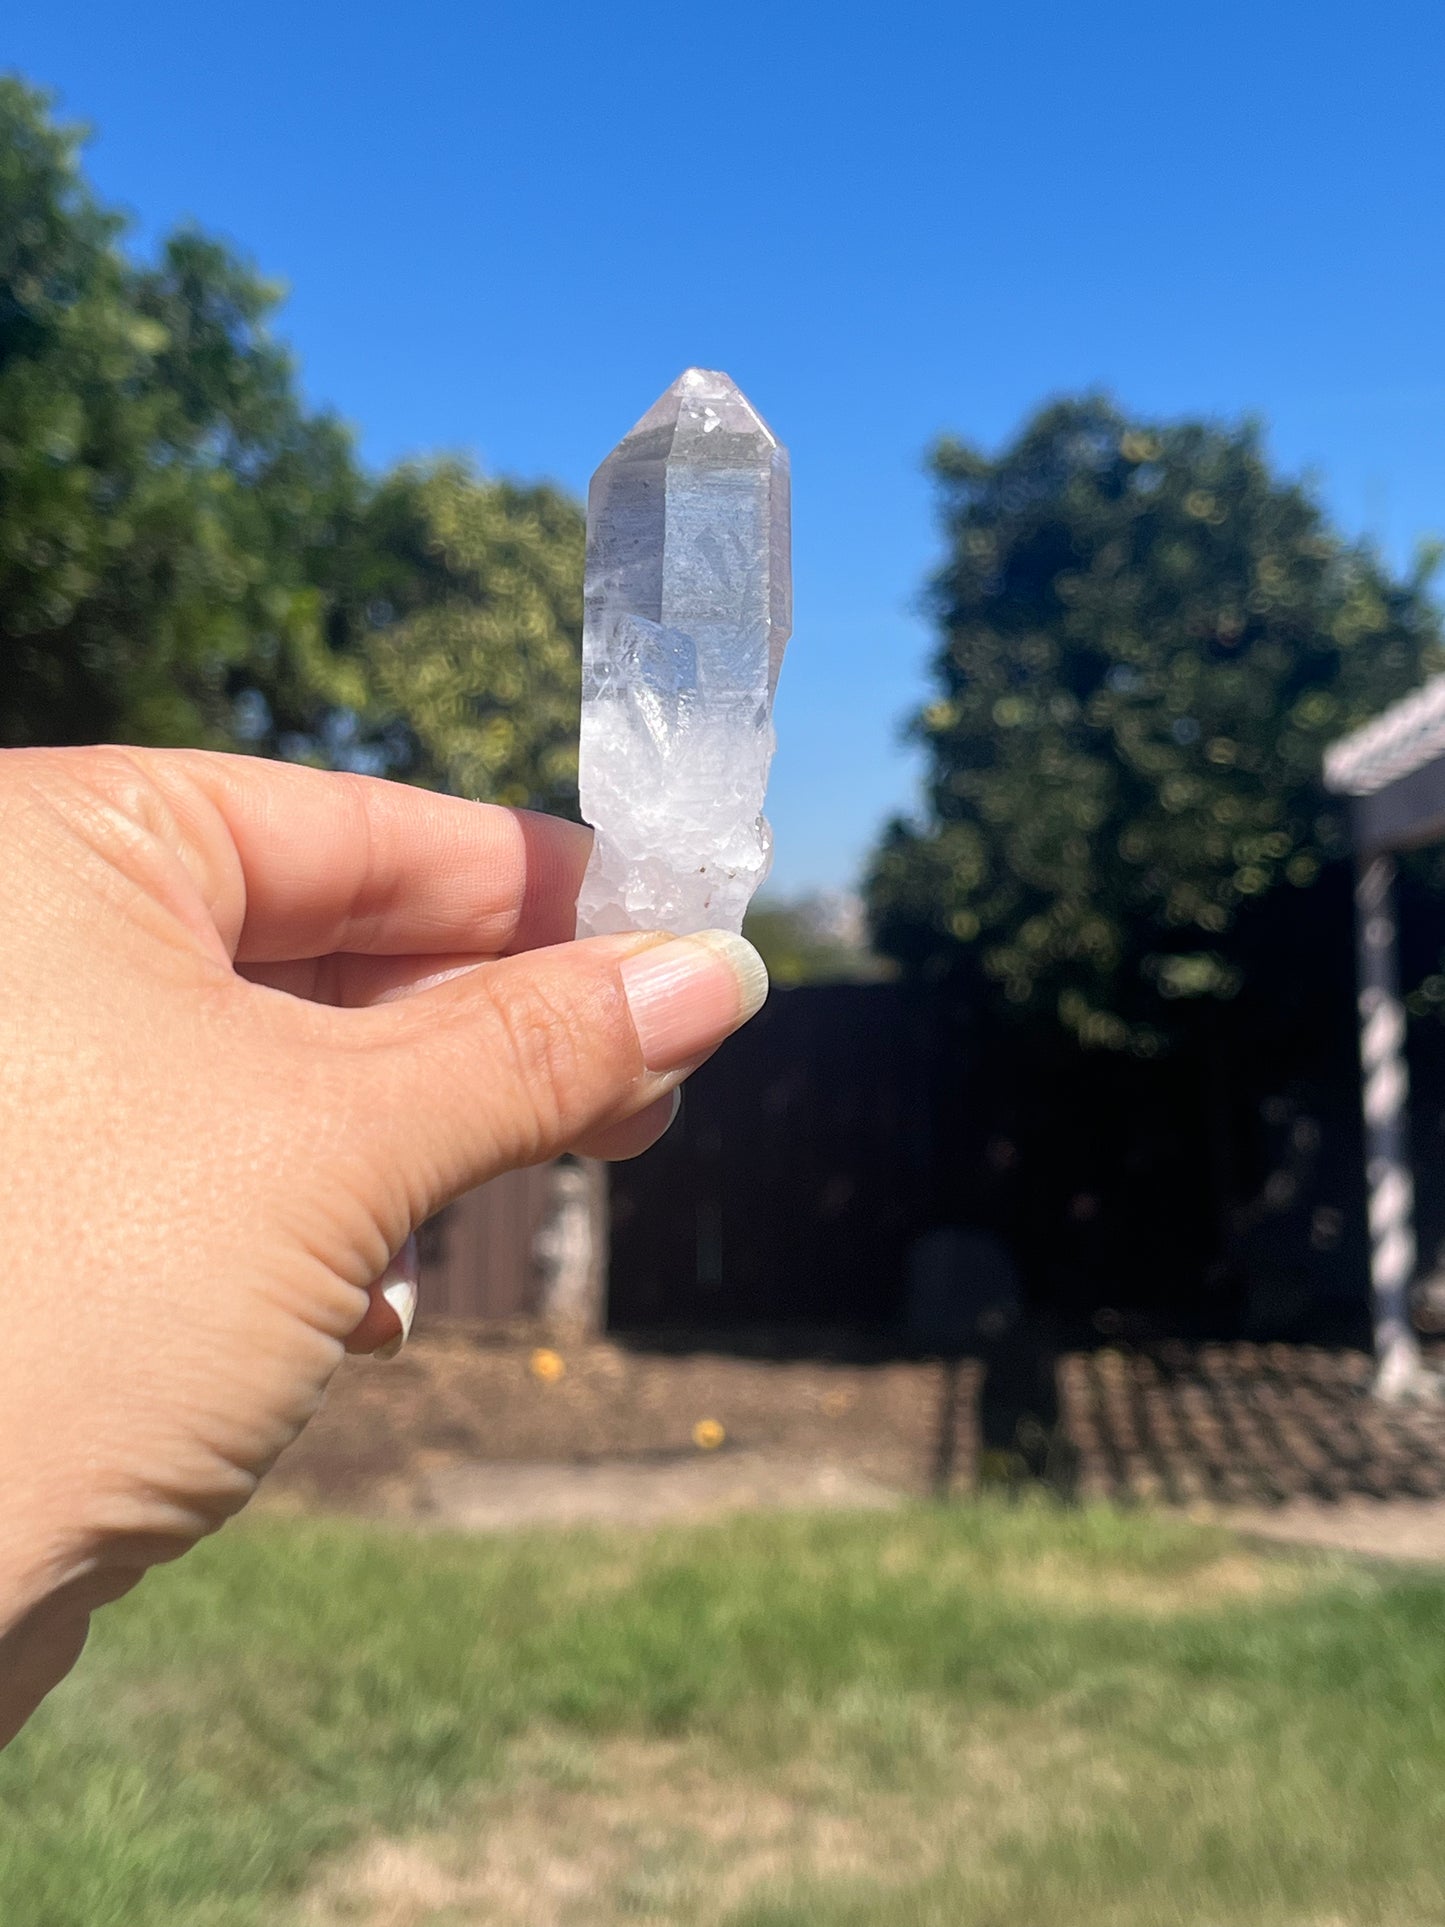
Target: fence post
x=1385, y=1093
x=571, y=1248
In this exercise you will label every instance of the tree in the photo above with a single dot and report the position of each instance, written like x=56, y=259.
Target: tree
x=449, y=651
x=187, y=555
x=468, y=657
x=1147, y=639
x=160, y=485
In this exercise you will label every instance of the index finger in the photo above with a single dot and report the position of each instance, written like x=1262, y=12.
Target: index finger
x=302, y=863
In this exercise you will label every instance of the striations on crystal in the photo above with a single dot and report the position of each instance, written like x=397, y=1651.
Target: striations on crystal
x=688, y=610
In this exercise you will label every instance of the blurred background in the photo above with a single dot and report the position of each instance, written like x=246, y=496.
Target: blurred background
x=1017, y=1256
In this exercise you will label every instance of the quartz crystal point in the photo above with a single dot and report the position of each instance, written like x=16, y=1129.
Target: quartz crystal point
x=688, y=607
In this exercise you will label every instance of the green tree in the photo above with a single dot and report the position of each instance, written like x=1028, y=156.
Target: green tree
x=161, y=489
x=188, y=556
x=456, y=642
x=449, y=648
x=1146, y=641
x=191, y=557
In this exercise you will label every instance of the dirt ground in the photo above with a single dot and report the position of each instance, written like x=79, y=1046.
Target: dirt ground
x=493, y=1428
x=487, y=1429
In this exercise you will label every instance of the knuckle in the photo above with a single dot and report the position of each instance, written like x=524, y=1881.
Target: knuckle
x=104, y=800
x=544, y=1058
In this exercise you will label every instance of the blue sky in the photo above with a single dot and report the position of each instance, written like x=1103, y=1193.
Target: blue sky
x=506, y=229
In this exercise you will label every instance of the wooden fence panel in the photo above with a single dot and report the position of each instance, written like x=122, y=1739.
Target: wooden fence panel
x=479, y=1256
x=796, y=1176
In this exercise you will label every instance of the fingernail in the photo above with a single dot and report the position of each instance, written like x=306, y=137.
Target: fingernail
x=687, y=995
x=398, y=1288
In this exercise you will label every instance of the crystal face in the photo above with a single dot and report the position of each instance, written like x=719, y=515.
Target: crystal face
x=688, y=609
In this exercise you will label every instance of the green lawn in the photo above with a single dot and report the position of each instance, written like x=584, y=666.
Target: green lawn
x=945, y=1718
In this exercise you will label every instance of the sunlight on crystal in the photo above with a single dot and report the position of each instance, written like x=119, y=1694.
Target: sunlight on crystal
x=688, y=610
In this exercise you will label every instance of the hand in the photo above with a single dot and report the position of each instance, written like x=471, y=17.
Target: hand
x=256, y=1024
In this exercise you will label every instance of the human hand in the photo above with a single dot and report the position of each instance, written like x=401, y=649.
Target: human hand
x=256, y=1024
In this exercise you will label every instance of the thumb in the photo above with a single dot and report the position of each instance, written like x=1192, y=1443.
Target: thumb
x=514, y=1061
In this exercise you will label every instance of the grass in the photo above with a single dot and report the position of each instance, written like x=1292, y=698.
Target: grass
x=982, y=1717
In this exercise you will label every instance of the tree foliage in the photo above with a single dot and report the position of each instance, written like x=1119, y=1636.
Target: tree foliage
x=159, y=483
x=1146, y=641
x=474, y=667
x=188, y=555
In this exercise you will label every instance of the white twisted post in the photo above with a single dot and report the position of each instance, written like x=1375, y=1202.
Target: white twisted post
x=1385, y=1082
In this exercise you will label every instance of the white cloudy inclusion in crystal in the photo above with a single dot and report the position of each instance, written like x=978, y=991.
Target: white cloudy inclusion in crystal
x=688, y=609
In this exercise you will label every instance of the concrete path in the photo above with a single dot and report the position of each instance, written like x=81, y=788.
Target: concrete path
x=1405, y=1529
x=497, y=1496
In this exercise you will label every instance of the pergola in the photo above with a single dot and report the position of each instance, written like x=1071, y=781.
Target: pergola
x=1393, y=771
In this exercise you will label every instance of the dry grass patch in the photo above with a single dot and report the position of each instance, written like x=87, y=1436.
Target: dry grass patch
x=602, y=1835
x=1234, y=1577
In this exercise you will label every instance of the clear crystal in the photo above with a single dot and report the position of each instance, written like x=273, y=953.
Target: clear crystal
x=688, y=609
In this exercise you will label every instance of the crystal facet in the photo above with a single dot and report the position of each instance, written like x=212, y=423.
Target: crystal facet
x=688, y=609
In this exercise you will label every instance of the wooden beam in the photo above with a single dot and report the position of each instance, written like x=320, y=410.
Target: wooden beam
x=1404, y=815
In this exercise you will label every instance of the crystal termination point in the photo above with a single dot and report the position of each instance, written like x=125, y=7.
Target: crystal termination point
x=688, y=609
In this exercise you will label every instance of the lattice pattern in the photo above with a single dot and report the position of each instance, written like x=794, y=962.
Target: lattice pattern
x=1402, y=739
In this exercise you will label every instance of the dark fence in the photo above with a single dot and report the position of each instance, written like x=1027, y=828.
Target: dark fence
x=1215, y=1192
x=795, y=1176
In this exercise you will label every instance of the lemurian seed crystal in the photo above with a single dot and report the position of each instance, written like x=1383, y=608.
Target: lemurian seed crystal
x=688, y=610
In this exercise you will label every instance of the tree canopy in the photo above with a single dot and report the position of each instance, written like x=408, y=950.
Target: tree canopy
x=190, y=555
x=474, y=669
x=1147, y=638
x=159, y=483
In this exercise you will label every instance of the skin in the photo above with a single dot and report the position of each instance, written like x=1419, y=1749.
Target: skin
x=258, y=1023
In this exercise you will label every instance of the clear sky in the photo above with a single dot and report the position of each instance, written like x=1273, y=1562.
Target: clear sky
x=506, y=229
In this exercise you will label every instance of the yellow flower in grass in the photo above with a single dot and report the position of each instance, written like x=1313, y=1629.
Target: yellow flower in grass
x=707, y=1435
x=547, y=1365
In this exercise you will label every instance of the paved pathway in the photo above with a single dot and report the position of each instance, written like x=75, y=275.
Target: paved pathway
x=494, y=1497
